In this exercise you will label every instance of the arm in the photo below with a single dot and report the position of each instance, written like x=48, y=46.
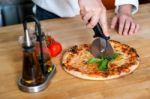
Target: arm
x=92, y=12
x=134, y=3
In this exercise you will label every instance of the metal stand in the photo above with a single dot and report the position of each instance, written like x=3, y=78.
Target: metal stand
x=37, y=88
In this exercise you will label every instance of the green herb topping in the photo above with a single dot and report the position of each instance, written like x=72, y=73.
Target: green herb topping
x=102, y=62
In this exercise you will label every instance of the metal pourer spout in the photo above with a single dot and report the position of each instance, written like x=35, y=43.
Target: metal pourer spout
x=27, y=41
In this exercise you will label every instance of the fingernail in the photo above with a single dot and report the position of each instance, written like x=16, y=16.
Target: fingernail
x=119, y=32
x=106, y=34
x=131, y=33
x=124, y=34
x=112, y=27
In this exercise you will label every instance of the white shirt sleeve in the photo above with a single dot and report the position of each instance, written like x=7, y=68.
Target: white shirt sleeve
x=62, y=8
x=134, y=3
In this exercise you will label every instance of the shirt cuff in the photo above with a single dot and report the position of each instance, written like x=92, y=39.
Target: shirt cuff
x=134, y=3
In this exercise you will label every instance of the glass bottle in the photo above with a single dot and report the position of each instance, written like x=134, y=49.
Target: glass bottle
x=31, y=74
x=46, y=54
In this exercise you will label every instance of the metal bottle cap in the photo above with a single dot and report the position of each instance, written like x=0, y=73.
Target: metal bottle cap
x=27, y=40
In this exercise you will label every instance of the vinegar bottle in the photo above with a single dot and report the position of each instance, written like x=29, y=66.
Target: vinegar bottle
x=46, y=54
x=31, y=74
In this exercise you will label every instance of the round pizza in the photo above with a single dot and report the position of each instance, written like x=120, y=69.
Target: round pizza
x=79, y=62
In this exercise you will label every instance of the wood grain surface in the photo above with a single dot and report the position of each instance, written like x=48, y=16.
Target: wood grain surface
x=71, y=31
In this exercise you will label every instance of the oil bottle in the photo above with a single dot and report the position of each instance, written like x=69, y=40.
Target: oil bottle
x=46, y=54
x=31, y=74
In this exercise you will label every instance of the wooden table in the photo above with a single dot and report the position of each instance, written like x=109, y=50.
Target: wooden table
x=64, y=86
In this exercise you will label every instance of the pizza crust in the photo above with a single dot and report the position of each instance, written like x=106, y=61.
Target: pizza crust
x=87, y=77
x=71, y=66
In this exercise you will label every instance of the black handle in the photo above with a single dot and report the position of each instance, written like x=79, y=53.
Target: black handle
x=99, y=32
x=38, y=34
x=37, y=24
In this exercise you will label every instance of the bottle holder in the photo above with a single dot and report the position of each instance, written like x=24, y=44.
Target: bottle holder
x=40, y=87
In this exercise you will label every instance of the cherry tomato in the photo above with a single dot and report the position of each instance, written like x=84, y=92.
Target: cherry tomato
x=55, y=48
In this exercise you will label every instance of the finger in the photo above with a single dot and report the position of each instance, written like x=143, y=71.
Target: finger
x=93, y=21
x=103, y=23
x=126, y=27
x=132, y=28
x=82, y=12
x=114, y=22
x=121, y=25
x=87, y=17
x=137, y=28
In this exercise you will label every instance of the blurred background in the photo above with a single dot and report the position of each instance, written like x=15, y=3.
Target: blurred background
x=13, y=11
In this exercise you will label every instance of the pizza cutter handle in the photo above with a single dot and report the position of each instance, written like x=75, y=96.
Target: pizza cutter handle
x=99, y=32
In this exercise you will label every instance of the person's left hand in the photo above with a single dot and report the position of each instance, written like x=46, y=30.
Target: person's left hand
x=125, y=22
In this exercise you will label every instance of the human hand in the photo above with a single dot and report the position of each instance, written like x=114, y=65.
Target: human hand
x=125, y=21
x=92, y=12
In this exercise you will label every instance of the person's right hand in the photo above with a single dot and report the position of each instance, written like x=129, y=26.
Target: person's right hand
x=92, y=12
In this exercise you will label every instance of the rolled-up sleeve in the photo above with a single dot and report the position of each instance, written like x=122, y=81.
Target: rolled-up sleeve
x=134, y=3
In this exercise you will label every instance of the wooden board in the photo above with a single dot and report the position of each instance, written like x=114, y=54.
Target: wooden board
x=64, y=86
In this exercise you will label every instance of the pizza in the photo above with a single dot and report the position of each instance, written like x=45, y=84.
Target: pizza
x=74, y=62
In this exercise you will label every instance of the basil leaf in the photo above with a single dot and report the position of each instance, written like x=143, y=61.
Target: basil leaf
x=102, y=61
x=115, y=55
x=93, y=60
x=103, y=65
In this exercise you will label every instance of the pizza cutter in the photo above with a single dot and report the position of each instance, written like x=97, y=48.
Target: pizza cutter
x=101, y=46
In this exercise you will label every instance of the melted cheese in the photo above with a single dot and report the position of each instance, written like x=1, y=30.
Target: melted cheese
x=120, y=60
